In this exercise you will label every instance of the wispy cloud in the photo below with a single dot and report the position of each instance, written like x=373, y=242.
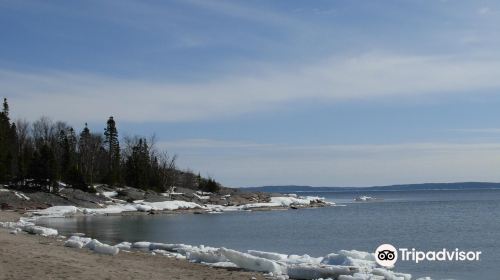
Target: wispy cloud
x=339, y=165
x=86, y=97
x=491, y=130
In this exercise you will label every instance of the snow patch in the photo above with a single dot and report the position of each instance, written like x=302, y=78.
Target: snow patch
x=110, y=194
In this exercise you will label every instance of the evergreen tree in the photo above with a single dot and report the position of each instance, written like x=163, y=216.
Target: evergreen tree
x=5, y=109
x=46, y=152
x=68, y=163
x=7, y=145
x=113, y=150
x=137, y=165
x=43, y=168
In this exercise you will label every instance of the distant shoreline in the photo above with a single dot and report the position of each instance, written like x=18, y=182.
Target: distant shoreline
x=401, y=187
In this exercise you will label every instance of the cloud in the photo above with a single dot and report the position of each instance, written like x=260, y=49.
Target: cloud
x=339, y=165
x=484, y=10
x=83, y=97
x=490, y=130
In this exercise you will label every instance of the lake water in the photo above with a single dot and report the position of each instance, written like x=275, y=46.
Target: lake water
x=425, y=220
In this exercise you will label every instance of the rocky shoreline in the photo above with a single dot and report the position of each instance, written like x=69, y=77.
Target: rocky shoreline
x=135, y=201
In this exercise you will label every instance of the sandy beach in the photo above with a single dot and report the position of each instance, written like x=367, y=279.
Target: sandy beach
x=25, y=256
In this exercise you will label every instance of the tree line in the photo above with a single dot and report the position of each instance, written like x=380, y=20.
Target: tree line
x=44, y=154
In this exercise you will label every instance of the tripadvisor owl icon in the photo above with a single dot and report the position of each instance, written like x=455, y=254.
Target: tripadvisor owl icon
x=386, y=255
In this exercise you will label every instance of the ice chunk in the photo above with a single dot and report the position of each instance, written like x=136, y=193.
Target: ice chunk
x=250, y=262
x=268, y=255
x=363, y=260
x=43, y=231
x=124, y=246
x=73, y=244
x=92, y=244
x=141, y=245
x=77, y=241
x=206, y=255
x=163, y=246
x=296, y=259
x=105, y=249
x=29, y=227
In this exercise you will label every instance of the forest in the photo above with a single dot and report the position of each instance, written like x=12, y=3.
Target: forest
x=46, y=154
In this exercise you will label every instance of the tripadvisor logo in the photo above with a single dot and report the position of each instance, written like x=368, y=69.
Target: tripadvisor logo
x=386, y=255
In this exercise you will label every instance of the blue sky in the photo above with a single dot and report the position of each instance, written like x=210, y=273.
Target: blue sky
x=324, y=93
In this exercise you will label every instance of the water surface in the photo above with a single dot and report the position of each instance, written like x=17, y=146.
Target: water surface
x=426, y=220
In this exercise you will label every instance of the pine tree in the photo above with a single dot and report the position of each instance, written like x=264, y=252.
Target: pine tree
x=5, y=110
x=138, y=166
x=113, y=150
x=7, y=145
x=43, y=167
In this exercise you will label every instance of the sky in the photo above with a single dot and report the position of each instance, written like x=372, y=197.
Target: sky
x=321, y=93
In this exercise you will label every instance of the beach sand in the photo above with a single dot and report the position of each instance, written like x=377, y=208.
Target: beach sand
x=25, y=256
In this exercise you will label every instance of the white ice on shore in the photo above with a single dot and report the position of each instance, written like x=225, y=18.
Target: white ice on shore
x=29, y=227
x=171, y=205
x=91, y=244
x=116, y=207
x=342, y=265
x=247, y=261
x=141, y=245
x=57, y=211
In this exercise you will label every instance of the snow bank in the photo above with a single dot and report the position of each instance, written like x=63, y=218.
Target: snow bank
x=111, y=209
x=57, y=211
x=171, y=205
x=110, y=194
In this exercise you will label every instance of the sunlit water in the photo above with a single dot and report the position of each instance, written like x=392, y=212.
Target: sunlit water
x=426, y=220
